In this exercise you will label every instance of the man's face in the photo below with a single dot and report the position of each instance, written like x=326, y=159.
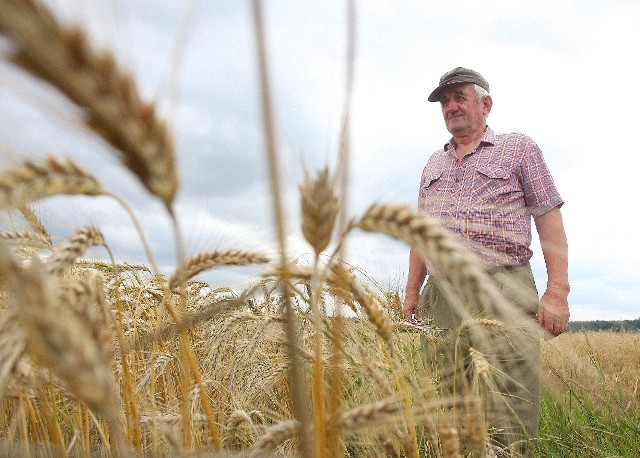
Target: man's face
x=461, y=111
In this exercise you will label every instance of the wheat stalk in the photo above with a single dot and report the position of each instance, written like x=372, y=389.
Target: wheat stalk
x=339, y=277
x=160, y=363
x=319, y=206
x=297, y=382
x=205, y=261
x=380, y=319
x=63, y=57
x=64, y=257
x=35, y=179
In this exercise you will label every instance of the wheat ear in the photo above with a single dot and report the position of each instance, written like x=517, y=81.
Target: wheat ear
x=275, y=436
x=26, y=238
x=365, y=415
x=74, y=247
x=443, y=249
x=449, y=441
x=481, y=367
x=234, y=423
x=87, y=297
x=474, y=431
x=12, y=344
x=64, y=57
x=204, y=261
x=32, y=218
x=60, y=340
x=35, y=179
x=319, y=205
x=344, y=279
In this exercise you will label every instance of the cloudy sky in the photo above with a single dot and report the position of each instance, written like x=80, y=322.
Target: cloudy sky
x=562, y=71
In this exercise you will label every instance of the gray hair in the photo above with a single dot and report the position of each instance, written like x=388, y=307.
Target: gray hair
x=480, y=92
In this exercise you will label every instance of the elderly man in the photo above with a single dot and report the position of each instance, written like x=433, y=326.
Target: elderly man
x=486, y=187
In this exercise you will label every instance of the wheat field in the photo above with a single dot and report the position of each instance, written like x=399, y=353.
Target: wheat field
x=104, y=358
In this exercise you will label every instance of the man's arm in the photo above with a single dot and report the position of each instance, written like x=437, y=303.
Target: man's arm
x=553, y=311
x=415, y=279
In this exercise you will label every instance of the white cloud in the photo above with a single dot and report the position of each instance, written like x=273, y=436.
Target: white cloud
x=561, y=72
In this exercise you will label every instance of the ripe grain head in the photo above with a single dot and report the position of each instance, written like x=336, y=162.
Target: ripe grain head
x=319, y=204
x=209, y=260
x=35, y=179
x=63, y=57
x=66, y=254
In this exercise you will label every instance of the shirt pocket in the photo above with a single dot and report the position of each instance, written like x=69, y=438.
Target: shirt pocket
x=493, y=184
x=430, y=183
x=494, y=172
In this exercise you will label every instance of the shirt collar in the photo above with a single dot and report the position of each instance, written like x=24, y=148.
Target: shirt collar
x=488, y=137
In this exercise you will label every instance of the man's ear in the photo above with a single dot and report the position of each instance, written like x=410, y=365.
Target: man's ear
x=487, y=103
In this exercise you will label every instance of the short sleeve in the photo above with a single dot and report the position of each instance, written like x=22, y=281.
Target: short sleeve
x=540, y=191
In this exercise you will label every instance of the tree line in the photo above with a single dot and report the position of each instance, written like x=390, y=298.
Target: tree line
x=603, y=325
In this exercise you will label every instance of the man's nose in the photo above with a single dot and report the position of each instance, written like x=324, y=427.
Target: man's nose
x=449, y=106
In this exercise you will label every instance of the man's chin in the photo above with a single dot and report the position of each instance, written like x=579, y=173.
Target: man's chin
x=456, y=128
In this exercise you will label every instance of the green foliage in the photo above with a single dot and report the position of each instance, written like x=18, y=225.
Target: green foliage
x=572, y=426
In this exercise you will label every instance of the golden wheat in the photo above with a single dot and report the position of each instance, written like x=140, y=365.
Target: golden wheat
x=223, y=349
x=24, y=238
x=445, y=251
x=66, y=254
x=366, y=415
x=375, y=371
x=376, y=314
x=234, y=426
x=86, y=297
x=35, y=179
x=473, y=428
x=12, y=345
x=204, y=261
x=63, y=57
x=275, y=436
x=61, y=341
x=319, y=205
x=32, y=218
x=449, y=441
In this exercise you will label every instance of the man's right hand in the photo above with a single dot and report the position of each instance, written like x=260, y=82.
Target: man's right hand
x=410, y=305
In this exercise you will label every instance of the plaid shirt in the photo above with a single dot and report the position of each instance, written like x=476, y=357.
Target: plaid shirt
x=489, y=196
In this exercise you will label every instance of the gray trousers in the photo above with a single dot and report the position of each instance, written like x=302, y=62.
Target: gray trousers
x=500, y=360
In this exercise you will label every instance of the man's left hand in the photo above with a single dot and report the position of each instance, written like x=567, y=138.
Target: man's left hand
x=553, y=311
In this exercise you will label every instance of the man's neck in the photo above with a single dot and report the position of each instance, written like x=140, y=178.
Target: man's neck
x=466, y=142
